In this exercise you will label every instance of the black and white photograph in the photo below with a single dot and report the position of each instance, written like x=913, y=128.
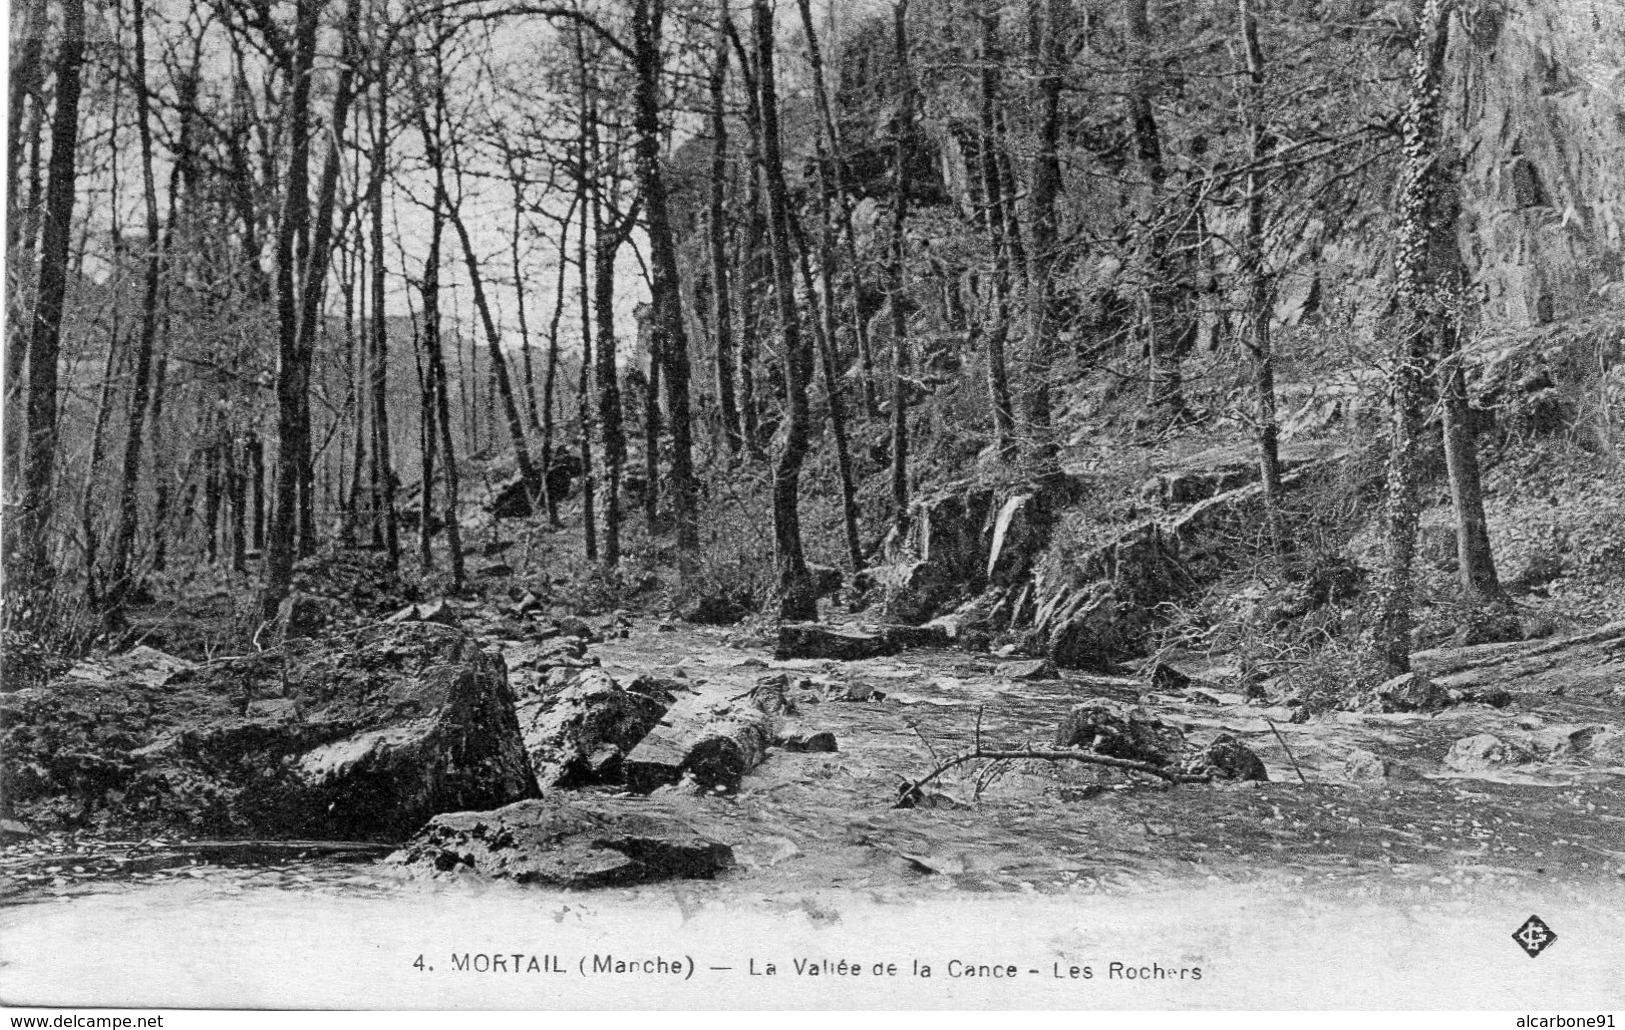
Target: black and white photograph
x=544, y=505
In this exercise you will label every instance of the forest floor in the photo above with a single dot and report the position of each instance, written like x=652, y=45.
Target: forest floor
x=1381, y=805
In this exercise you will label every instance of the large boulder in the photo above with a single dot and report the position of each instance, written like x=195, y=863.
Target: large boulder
x=1226, y=758
x=1119, y=730
x=362, y=738
x=913, y=591
x=580, y=732
x=579, y=841
x=713, y=744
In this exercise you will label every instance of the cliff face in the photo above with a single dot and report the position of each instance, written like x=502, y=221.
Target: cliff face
x=1541, y=92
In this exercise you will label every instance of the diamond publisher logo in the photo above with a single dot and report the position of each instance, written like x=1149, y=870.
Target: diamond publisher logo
x=1534, y=936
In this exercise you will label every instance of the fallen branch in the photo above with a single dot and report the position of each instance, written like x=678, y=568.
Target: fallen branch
x=911, y=793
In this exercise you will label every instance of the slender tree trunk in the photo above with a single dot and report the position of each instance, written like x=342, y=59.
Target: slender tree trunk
x=353, y=279
x=431, y=337
x=1043, y=231
x=611, y=433
x=1170, y=330
x=651, y=439
x=836, y=161
x=665, y=288
x=585, y=154
x=382, y=448
x=516, y=175
x=717, y=235
x=750, y=305
x=428, y=441
x=141, y=383
x=902, y=133
x=589, y=515
x=213, y=489
x=236, y=491
x=1424, y=308
x=797, y=600
x=499, y=364
x=550, y=376
x=824, y=324
x=43, y=346
x=1259, y=291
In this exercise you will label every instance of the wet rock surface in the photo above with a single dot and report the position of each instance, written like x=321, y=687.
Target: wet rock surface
x=1117, y=730
x=580, y=840
x=581, y=732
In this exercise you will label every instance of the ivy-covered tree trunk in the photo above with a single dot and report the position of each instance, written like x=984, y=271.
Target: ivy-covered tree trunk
x=1426, y=309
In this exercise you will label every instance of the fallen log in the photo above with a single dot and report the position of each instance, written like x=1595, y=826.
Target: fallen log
x=812, y=640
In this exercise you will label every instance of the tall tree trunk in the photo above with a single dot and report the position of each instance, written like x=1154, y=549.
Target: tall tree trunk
x=1169, y=328
x=584, y=155
x=141, y=384
x=902, y=132
x=1043, y=232
x=611, y=433
x=1424, y=310
x=46, y=339
x=665, y=287
x=290, y=380
x=319, y=258
x=797, y=600
x=379, y=383
x=1259, y=289
x=749, y=262
x=717, y=236
x=431, y=334
x=989, y=146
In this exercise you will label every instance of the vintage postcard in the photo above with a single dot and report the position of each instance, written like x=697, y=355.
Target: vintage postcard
x=814, y=504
